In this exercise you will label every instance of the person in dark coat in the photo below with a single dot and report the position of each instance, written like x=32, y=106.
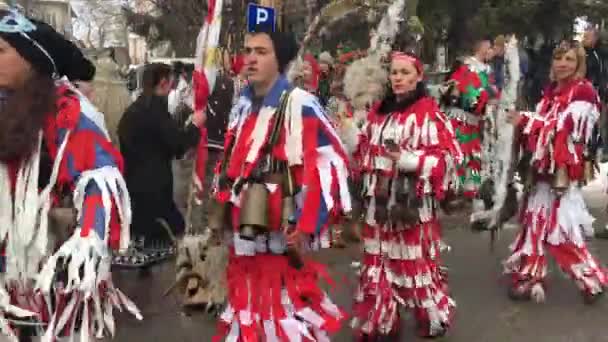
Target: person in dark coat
x=498, y=62
x=597, y=62
x=597, y=73
x=150, y=140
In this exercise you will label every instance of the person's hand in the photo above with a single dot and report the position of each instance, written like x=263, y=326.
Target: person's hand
x=394, y=156
x=392, y=150
x=199, y=118
x=295, y=238
x=513, y=117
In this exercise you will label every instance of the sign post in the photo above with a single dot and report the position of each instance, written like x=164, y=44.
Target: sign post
x=260, y=17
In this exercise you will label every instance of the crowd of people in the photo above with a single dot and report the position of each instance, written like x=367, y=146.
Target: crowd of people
x=310, y=145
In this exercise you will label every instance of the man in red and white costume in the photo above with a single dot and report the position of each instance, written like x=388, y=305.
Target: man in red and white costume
x=554, y=217
x=407, y=154
x=268, y=299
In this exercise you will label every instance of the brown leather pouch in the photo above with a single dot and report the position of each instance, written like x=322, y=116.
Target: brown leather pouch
x=405, y=211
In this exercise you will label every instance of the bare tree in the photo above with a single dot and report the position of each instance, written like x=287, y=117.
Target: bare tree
x=101, y=23
x=175, y=21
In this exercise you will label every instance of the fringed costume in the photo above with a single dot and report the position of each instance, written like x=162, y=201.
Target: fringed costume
x=472, y=92
x=554, y=216
x=63, y=203
x=402, y=235
x=268, y=299
x=66, y=284
x=305, y=73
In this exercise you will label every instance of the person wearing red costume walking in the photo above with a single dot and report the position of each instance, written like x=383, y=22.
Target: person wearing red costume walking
x=277, y=184
x=466, y=106
x=56, y=158
x=556, y=139
x=406, y=154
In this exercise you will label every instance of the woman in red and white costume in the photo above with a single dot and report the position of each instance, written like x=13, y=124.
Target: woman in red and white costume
x=407, y=154
x=555, y=218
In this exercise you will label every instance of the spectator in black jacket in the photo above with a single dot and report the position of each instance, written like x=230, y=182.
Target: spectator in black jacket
x=150, y=140
x=597, y=63
x=597, y=73
x=498, y=62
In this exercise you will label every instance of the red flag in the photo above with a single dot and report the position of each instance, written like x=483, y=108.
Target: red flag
x=203, y=80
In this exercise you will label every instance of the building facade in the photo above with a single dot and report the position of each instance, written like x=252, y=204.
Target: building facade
x=57, y=13
x=138, y=49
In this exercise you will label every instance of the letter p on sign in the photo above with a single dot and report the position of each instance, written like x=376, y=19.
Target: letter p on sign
x=260, y=18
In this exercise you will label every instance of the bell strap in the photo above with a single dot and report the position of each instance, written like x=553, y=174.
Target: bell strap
x=275, y=133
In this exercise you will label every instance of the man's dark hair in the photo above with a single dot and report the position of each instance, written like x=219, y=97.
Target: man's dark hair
x=153, y=74
x=178, y=67
x=285, y=46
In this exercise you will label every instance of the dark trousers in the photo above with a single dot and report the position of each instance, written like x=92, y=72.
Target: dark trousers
x=147, y=209
x=603, y=130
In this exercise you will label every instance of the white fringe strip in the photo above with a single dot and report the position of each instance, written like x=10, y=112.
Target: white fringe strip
x=28, y=227
x=574, y=221
x=90, y=254
x=297, y=325
x=6, y=307
x=113, y=189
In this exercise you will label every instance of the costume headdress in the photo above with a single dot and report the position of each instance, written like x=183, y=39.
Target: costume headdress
x=44, y=48
x=371, y=70
x=410, y=58
x=334, y=14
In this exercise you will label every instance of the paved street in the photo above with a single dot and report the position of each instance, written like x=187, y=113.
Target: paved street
x=484, y=313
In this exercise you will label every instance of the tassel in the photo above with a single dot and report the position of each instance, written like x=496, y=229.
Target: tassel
x=113, y=192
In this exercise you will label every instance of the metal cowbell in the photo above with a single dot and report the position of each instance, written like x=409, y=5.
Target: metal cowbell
x=561, y=181
x=217, y=215
x=254, y=211
x=288, y=211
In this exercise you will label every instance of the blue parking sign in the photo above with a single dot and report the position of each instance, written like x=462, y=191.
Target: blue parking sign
x=260, y=17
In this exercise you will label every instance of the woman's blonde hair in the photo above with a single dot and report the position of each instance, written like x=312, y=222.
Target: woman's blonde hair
x=581, y=57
